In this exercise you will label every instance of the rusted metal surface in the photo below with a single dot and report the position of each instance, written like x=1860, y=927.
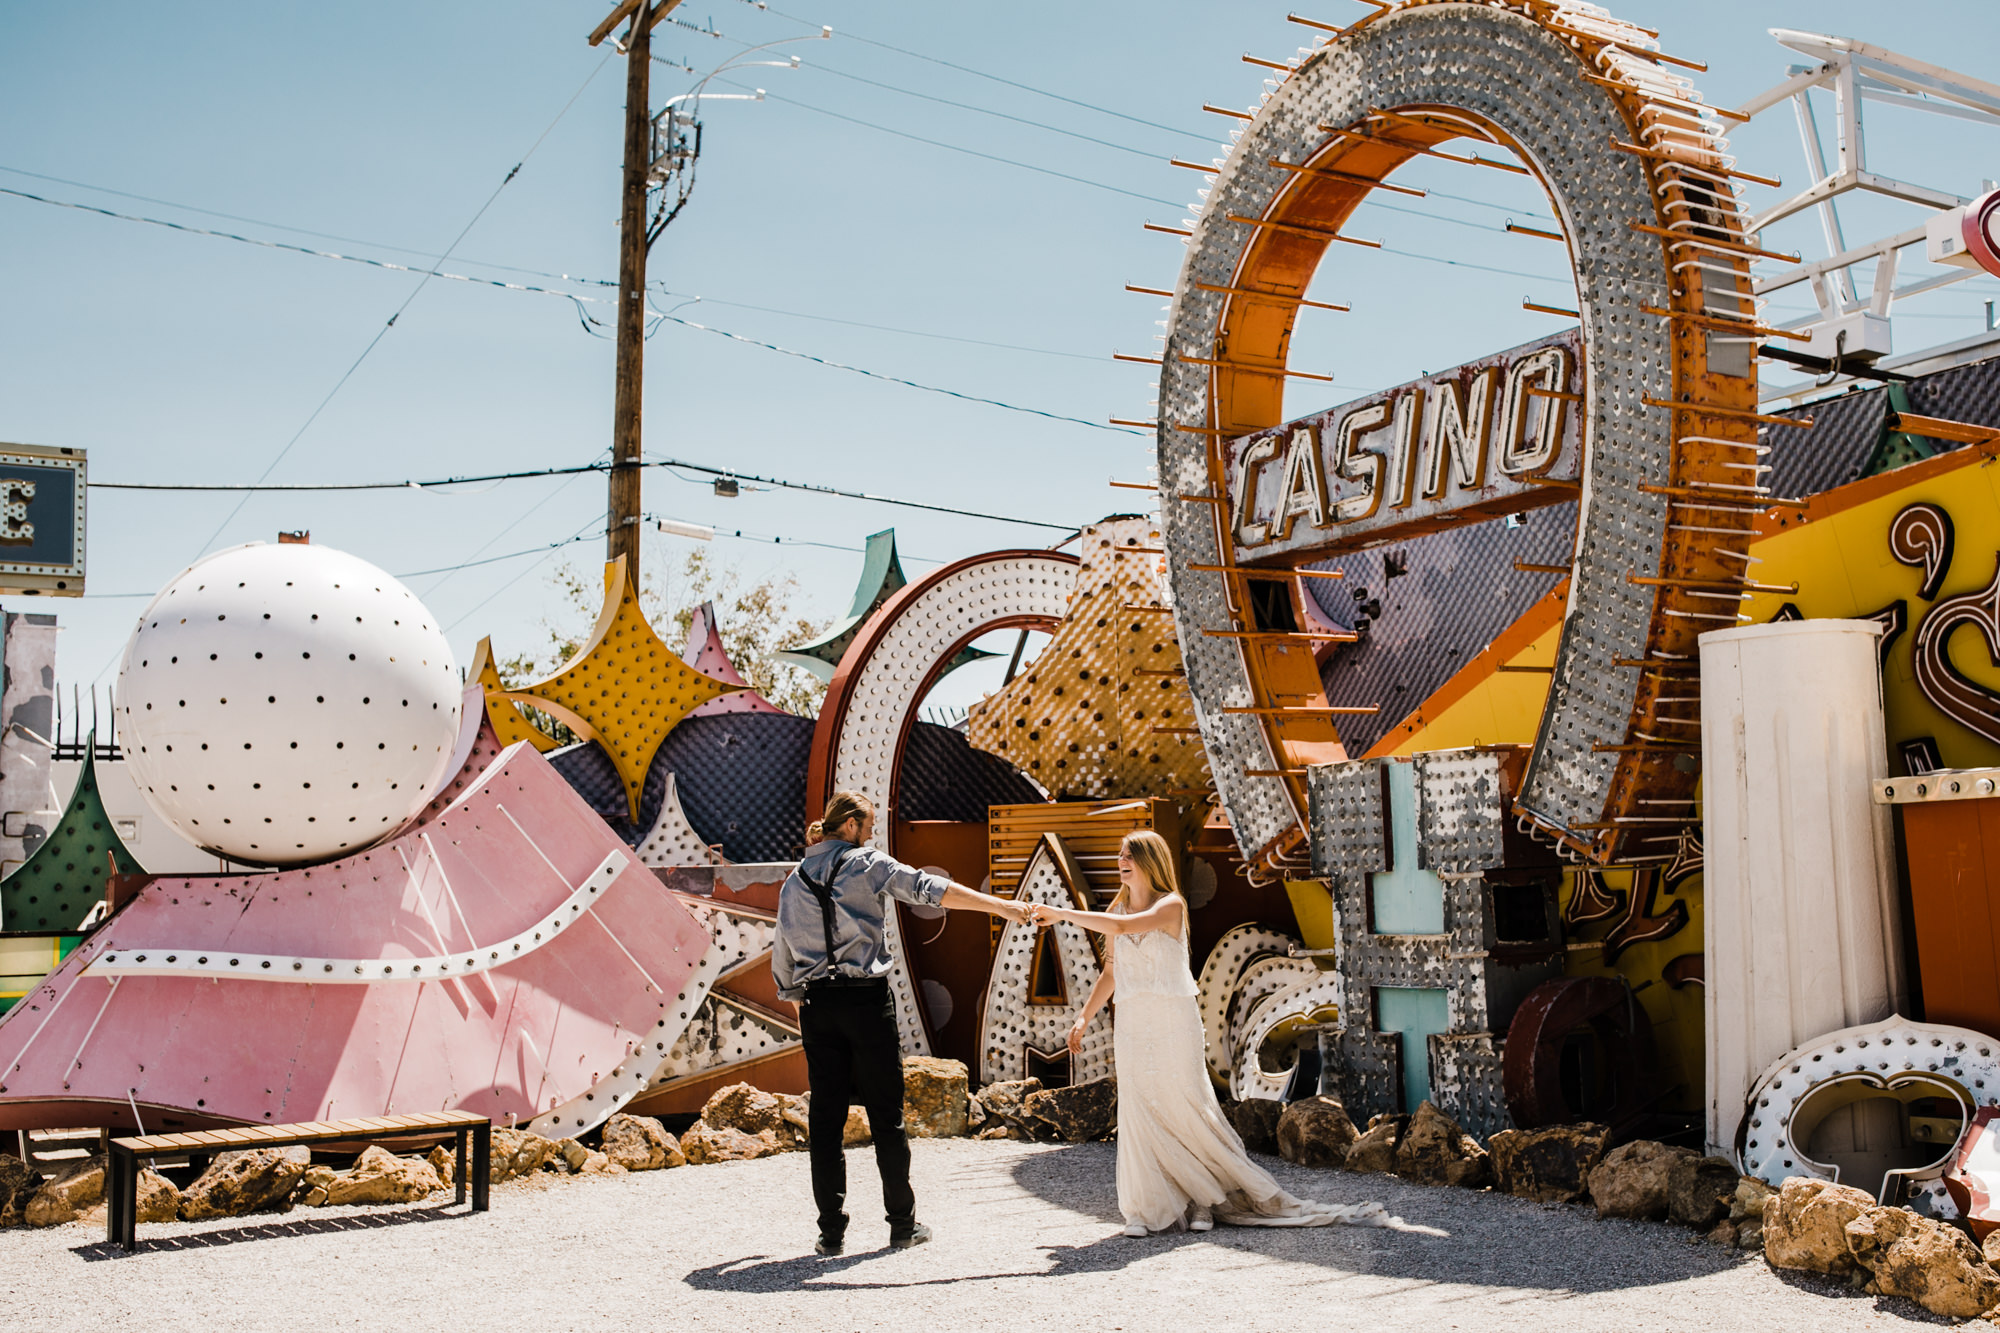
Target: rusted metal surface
x=1532, y=1066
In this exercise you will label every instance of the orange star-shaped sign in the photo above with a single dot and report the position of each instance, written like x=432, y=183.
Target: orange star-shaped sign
x=624, y=689
x=502, y=712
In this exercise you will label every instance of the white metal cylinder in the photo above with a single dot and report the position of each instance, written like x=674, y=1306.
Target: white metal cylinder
x=1802, y=931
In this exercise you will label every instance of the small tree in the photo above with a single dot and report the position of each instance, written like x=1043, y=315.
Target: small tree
x=756, y=623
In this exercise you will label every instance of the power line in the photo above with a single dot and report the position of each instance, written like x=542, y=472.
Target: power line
x=578, y=469
x=422, y=282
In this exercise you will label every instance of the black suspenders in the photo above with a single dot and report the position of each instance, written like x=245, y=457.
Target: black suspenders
x=824, y=892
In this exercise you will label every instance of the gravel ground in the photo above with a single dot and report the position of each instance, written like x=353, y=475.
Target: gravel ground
x=1027, y=1237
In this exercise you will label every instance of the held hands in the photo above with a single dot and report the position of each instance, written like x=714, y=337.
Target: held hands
x=1041, y=914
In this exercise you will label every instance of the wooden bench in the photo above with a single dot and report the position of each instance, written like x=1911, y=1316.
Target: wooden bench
x=121, y=1183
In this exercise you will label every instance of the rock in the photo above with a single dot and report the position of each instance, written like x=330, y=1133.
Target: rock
x=17, y=1185
x=1314, y=1131
x=157, y=1198
x=444, y=1161
x=795, y=1113
x=254, y=1180
x=1076, y=1114
x=569, y=1155
x=745, y=1109
x=935, y=1100
x=1005, y=1132
x=597, y=1164
x=72, y=1190
x=975, y=1115
x=1004, y=1101
x=641, y=1143
x=1256, y=1123
x=1746, y=1211
x=1435, y=1151
x=1722, y=1233
x=855, y=1132
x=1699, y=1191
x=1631, y=1181
x=1549, y=1165
x=1375, y=1150
x=312, y=1187
x=518, y=1153
x=705, y=1143
x=379, y=1176
x=1805, y=1225
x=1933, y=1264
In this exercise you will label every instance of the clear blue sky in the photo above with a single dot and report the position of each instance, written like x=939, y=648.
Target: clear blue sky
x=177, y=357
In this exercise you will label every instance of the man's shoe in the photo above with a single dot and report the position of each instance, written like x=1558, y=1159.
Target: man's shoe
x=915, y=1236
x=830, y=1245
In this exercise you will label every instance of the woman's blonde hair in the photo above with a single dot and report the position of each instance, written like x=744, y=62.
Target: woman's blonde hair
x=844, y=806
x=1155, y=859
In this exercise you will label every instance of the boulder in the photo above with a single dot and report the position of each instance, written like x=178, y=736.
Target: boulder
x=17, y=1185
x=1699, y=1191
x=704, y=1143
x=641, y=1143
x=745, y=1109
x=1933, y=1264
x=157, y=1198
x=250, y=1181
x=1314, y=1131
x=1549, y=1165
x=312, y=1187
x=795, y=1116
x=379, y=1176
x=72, y=1190
x=518, y=1153
x=1004, y=1102
x=1805, y=1225
x=1076, y=1114
x=569, y=1156
x=855, y=1132
x=1631, y=1181
x=1256, y=1122
x=1746, y=1211
x=975, y=1115
x=444, y=1161
x=1435, y=1151
x=1375, y=1150
x=935, y=1099
x=597, y=1164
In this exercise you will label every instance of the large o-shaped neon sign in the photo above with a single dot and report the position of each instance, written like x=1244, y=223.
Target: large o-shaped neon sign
x=865, y=721
x=1636, y=170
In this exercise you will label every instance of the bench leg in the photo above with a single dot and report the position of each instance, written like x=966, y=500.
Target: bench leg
x=121, y=1189
x=482, y=1165
x=458, y=1171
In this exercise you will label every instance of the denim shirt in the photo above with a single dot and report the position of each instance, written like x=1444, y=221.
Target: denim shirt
x=868, y=879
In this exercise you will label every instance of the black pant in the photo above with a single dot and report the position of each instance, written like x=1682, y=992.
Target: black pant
x=853, y=1054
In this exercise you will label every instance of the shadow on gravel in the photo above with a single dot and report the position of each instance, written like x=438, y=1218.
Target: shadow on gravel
x=1480, y=1239
x=308, y=1226
x=760, y=1273
x=1895, y=1307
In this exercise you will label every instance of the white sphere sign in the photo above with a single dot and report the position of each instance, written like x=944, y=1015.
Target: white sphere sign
x=287, y=704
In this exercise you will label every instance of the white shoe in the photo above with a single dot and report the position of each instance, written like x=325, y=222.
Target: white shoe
x=1136, y=1229
x=1202, y=1220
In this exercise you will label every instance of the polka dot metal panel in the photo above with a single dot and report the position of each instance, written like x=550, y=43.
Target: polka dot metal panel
x=624, y=688
x=1081, y=719
x=672, y=841
x=1232, y=955
x=1257, y=983
x=1559, y=83
x=1315, y=999
x=286, y=704
x=501, y=711
x=64, y=878
x=872, y=703
x=1012, y=1026
x=1881, y=1053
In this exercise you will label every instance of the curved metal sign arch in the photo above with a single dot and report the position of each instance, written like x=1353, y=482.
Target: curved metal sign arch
x=1636, y=170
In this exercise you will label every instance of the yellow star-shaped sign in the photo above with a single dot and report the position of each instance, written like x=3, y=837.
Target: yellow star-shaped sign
x=502, y=712
x=624, y=689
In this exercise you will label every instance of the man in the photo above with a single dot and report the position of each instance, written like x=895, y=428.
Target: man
x=832, y=958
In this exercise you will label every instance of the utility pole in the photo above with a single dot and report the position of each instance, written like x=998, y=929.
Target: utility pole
x=622, y=514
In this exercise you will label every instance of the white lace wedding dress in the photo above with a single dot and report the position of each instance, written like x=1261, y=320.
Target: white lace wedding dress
x=1177, y=1157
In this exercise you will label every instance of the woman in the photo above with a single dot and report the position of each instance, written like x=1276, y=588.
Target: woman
x=1179, y=1162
